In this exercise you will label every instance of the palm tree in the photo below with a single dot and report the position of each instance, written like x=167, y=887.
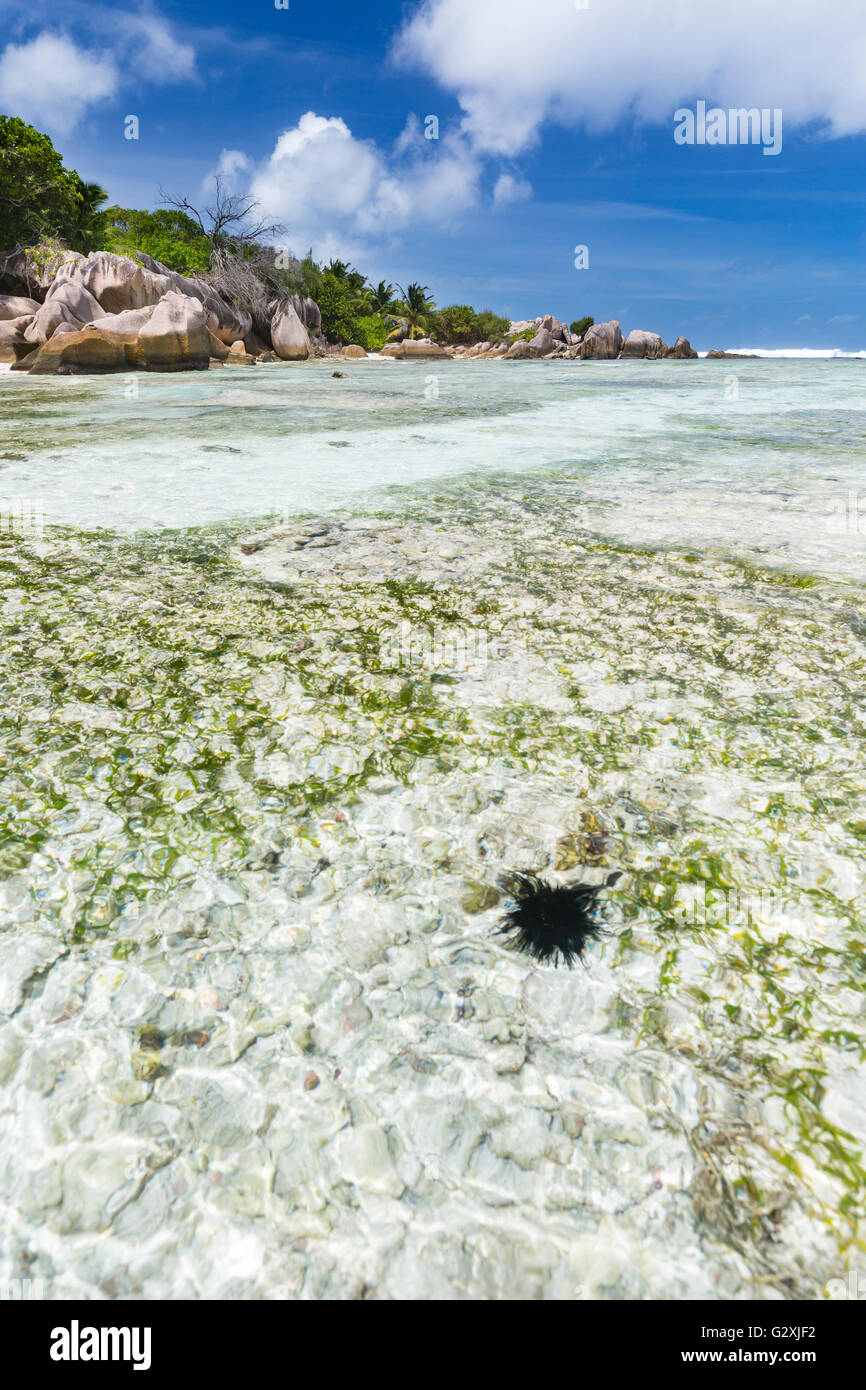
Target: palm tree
x=414, y=310
x=382, y=297
x=91, y=223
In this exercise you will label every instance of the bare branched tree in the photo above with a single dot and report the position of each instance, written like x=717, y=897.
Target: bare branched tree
x=227, y=217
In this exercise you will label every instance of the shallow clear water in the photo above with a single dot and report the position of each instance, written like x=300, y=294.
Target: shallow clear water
x=752, y=455
x=257, y=1035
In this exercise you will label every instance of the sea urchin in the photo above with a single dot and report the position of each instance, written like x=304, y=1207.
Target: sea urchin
x=551, y=921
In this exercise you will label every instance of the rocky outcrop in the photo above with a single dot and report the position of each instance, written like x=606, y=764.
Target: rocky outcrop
x=521, y=351
x=237, y=355
x=30, y=272
x=120, y=284
x=13, y=343
x=67, y=302
x=544, y=342
x=175, y=337
x=603, y=341
x=289, y=336
x=354, y=350
x=17, y=306
x=682, y=348
x=82, y=349
x=170, y=336
x=104, y=312
x=117, y=283
x=309, y=313
x=415, y=350
x=645, y=345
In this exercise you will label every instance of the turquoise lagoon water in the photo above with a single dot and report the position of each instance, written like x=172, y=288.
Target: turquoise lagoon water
x=753, y=455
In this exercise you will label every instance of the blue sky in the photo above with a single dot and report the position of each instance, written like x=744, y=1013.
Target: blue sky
x=556, y=129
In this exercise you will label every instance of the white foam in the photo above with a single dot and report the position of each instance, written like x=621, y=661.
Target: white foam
x=801, y=353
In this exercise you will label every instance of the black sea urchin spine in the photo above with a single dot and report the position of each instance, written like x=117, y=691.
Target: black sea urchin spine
x=549, y=922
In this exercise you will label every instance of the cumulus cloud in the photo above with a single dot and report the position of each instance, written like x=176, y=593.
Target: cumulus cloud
x=336, y=192
x=514, y=66
x=51, y=81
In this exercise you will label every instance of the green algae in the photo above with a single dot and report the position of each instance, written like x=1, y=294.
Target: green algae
x=147, y=692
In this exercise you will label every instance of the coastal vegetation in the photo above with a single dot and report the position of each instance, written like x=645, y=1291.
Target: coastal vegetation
x=39, y=197
x=224, y=242
x=460, y=323
x=169, y=236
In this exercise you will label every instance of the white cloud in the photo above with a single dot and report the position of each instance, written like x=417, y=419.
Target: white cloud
x=153, y=50
x=509, y=189
x=51, y=82
x=513, y=65
x=231, y=163
x=603, y=210
x=336, y=193
x=52, y=79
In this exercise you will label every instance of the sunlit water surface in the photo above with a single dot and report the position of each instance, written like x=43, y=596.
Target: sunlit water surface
x=257, y=1035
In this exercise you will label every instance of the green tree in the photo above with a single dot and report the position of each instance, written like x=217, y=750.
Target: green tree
x=90, y=229
x=309, y=277
x=492, y=328
x=338, y=309
x=459, y=323
x=169, y=236
x=455, y=324
x=370, y=332
x=580, y=326
x=415, y=310
x=354, y=281
x=382, y=297
x=38, y=197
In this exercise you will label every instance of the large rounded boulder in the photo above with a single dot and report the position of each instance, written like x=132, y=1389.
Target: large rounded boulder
x=13, y=343
x=14, y=306
x=224, y=321
x=67, y=302
x=82, y=349
x=308, y=312
x=171, y=336
x=603, y=341
x=117, y=283
x=414, y=350
x=175, y=337
x=682, y=349
x=645, y=345
x=289, y=336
